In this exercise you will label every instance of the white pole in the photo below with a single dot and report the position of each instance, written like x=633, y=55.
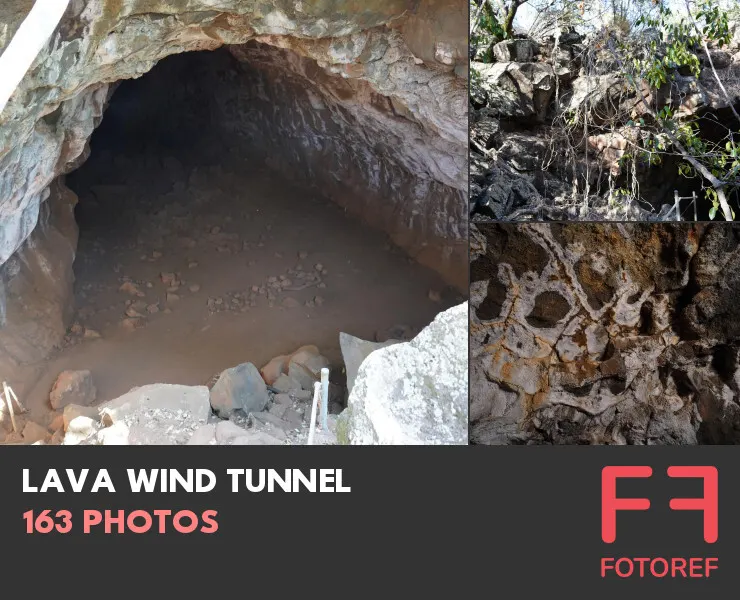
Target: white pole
x=9, y=402
x=21, y=408
x=312, y=426
x=26, y=44
x=325, y=399
x=677, y=204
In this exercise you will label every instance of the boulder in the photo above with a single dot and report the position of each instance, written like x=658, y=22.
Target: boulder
x=524, y=152
x=158, y=414
x=305, y=366
x=516, y=50
x=720, y=58
x=239, y=388
x=115, y=435
x=80, y=429
x=227, y=431
x=514, y=90
x=72, y=411
x=274, y=369
x=57, y=423
x=231, y=434
x=355, y=351
x=73, y=387
x=255, y=438
x=205, y=435
x=286, y=384
x=413, y=393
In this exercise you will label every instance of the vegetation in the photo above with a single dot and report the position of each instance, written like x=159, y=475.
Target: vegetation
x=659, y=47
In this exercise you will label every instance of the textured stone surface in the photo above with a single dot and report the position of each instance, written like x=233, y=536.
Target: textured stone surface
x=366, y=100
x=572, y=110
x=414, y=392
x=73, y=387
x=381, y=151
x=616, y=334
x=158, y=414
x=239, y=388
x=48, y=120
x=355, y=351
x=36, y=285
x=305, y=366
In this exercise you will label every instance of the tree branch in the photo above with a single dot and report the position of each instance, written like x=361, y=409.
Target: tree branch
x=685, y=154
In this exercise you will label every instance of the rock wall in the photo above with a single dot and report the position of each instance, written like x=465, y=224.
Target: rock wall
x=36, y=284
x=550, y=123
x=365, y=150
x=608, y=333
x=389, y=53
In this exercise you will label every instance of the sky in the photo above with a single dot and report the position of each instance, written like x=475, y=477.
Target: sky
x=527, y=12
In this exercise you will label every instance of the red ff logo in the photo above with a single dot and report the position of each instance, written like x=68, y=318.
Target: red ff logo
x=610, y=504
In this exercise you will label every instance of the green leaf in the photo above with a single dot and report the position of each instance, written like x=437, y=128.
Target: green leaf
x=712, y=213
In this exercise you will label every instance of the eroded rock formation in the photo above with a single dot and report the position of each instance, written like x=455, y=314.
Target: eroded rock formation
x=364, y=99
x=605, y=334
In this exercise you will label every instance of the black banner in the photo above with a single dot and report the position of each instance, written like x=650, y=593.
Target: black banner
x=455, y=520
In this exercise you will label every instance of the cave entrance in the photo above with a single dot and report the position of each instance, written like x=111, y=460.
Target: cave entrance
x=200, y=250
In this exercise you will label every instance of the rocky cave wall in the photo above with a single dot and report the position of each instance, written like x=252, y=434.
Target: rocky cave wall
x=607, y=334
x=365, y=150
x=400, y=71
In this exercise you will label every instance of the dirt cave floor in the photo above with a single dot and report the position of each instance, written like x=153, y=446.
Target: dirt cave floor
x=187, y=266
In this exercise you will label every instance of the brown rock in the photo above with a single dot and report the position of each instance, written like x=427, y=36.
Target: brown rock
x=130, y=287
x=57, y=423
x=168, y=279
x=73, y=387
x=130, y=324
x=132, y=312
x=273, y=369
x=72, y=411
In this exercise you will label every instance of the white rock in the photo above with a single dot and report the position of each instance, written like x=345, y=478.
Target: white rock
x=159, y=414
x=79, y=429
x=355, y=351
x=256, y=438
x=227, y=431
x=115, y=435
x=414, y=392
x=205, y=435
x=74, y=410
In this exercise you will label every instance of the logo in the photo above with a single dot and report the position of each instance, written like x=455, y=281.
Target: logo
x=659, y=567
